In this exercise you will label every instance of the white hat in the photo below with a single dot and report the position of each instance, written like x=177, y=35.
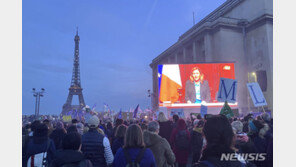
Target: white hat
x=93, y=121
x=238, y=126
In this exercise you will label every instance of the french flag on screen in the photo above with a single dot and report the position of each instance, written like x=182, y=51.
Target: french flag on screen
x=159, y=76
x=170, y=83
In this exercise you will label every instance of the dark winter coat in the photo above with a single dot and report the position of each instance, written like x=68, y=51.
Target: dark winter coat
x=262, y=145
x=161, y=149
x=212, y=154
x=147, y=160
x=70, y=157
x=38, y=145
x=196, y=144
x=181, y=155
x=165, y=129
x=117, y=143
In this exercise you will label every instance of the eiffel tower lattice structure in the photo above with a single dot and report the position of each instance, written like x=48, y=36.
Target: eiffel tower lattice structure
x=75, y=88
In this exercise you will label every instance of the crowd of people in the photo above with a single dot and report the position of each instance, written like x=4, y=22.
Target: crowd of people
x=192, y=142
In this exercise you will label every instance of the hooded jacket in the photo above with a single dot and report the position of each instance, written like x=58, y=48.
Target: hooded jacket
x=68, y=157
x=160, y=148
x=165, y=129
x=181, y=155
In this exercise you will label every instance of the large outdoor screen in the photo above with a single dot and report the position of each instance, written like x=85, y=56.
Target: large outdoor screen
x=191, y=83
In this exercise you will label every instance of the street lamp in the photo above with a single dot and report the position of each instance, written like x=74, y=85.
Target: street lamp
x=152, y=96
x=37, y=94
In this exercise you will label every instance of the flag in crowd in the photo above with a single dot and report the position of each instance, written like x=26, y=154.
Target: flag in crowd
x=136, y=111
x=120, y=114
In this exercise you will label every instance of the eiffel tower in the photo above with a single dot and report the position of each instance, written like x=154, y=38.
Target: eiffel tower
x=75, y=88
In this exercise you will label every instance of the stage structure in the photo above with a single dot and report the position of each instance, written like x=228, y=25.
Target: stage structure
x=75, y=88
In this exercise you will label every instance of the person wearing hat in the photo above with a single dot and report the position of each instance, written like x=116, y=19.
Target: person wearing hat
x=95, y=146
x=242, y=142
x=197, y=140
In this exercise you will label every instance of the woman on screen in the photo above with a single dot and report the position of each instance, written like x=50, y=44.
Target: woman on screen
x=197, y=89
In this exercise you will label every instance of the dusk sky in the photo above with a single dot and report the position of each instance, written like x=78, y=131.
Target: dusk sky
x=118, y=41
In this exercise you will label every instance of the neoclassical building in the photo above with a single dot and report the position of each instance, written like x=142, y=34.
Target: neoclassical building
x=239, y=31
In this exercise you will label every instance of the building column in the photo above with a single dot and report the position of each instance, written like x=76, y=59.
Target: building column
x=154, y=103
x=169, y=59
x=208, y=48
x=194, y=52
x=176, y=58
x=184, y=55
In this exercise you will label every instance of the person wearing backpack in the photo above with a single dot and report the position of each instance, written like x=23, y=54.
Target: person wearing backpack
x=134, y=153
x=70, y=155
x=39, y=150
x=180, y=139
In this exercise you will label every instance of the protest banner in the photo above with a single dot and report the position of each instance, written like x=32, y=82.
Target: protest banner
x=67, y=118
x=179, y=112
x=124, y=116
x=256, y=94
x=203, y=110
x=227, y=90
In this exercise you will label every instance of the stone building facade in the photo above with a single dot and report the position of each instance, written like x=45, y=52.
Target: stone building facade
x=239, y=31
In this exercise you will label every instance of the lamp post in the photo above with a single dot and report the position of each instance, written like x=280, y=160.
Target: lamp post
x=252, y=77
x=149, y=95
x=37, y=95
x=152, y=96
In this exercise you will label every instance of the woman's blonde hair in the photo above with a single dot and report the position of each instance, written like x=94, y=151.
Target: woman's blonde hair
x=100, y=131
x=201, y=75
x=161, y=117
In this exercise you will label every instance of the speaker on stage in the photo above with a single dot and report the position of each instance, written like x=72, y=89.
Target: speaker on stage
x=262, y=79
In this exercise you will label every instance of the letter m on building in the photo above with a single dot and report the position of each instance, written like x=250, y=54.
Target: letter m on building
x=227, y=90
